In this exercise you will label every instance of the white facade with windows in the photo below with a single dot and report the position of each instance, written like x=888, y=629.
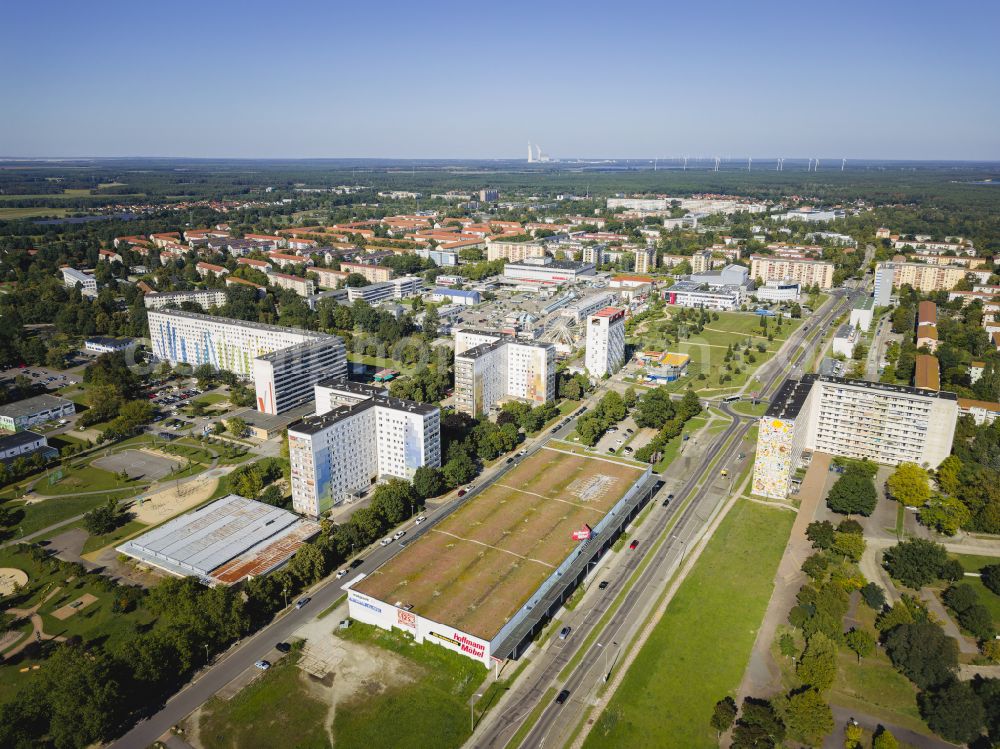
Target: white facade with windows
x=284, y=362
x=358, y=435
x=87, y=282
x=490, y=367
x=605, y=342
x=204, y=298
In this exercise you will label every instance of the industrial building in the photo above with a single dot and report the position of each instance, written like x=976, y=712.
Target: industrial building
x=484, y=580
x=580, y=309
x=887, y=424
x=224, y=542
x=605, y=352
x=283, y=362
x=490, y=367
x=805, y=272
x=19, y=415
x=357, y=436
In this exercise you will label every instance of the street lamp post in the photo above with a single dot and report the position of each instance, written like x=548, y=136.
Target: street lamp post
x=472, y=714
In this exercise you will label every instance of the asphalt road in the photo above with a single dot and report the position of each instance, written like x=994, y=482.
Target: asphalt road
x=556, y=721
x=261, y=645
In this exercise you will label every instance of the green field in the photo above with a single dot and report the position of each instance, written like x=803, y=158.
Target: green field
x=708, y=349
x=83, y=479
x=699, y=649
x=210, y=399
x=275, y=710
x=431, y=710
x=38, y=515
x=11, y=214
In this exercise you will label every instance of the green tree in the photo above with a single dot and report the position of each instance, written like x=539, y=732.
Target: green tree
x=393, y=501
x=954, y=711
x=808, y=717
x=104, y=518
x=759, y=725
x=237, y=426
x=884, y=739
x=915, y=562
x=861, y=641
x=853, y=494
x=218, y=428
x=205, y=374
x=821, y=534
x=818, y=665
x=910, y=485
x=724, y=714
x=460, y=469
x=874, y=596
x=308, y=565
x=428, y=482
x=948, y=473
x=990, y=576
x=248, y=482
x=850, y=545
x=923, y=653
x=654, y=409
x=945, y=514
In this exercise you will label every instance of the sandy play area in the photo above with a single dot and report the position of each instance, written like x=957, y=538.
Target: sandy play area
x=171, y=500
x=10, y=578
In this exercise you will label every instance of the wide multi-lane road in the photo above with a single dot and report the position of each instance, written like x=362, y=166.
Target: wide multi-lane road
x=687, y=515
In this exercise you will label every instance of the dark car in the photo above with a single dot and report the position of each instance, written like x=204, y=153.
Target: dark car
x=633, y=545
x=282, y=647
x=670, y=496
x=356, y=563
x=666, y=502
x=562, y=697
x=603, y=584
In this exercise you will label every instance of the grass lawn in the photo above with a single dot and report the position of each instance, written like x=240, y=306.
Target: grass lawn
x=875, y=687
x=381, y=363
x=699, y=649
x=974, y=562
x=432, y=710
x=39, y=515
x=673, y=447
x=93, y=543
x=94, y=621
x=210, y=399
x=10, y=214
x=748, y=409
x=77, y=480
x=275, y=710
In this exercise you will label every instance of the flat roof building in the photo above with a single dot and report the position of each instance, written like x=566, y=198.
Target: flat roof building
x=552, y=272
x=806, y=272
x=358, y=435
x=283, y=362
x=204, y=298
x=490, y=367
x=223, y=542
x=605, y=352
x=888, y=424
x=19, y=415
x=24, y=445
x=73, y=277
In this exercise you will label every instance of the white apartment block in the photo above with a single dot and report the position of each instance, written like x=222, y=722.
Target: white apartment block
x=205, y=298
x=701, y=261
x=374, y=273
x=514, y=252
x=358, y=435
x=283, y=362
x=490, y=367
x=887, y=424
x=301, y=286
x=639, y=204
x=397, y=288
x=805, y=272
x=605, y=342
x=645, y=260
x=920, y=276
x=72, y=277
x=593, y=253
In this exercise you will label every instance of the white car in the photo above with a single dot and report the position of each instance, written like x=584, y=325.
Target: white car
x=263, y=665
x=385, y=542
x=398, y=535
x=341, y=574
x=419, y=520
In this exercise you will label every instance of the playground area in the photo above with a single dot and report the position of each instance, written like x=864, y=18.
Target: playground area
x=11, y=579
x=176, y=497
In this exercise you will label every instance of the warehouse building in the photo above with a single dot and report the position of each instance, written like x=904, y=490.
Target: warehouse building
x=224, y=542
x=19, y=415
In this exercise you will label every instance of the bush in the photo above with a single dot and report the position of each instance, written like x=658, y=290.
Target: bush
x=874, y=596
x=990, y=575
x=923, y=653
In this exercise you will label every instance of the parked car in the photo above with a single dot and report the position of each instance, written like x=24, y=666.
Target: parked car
x=263, y=665
x=302, y=602
x=341, y=574
x=282, y=647
x=562, y=697
x=564, y=632
x=604, y=584
x=666, y=502
x=385, y=542
x=419, y=520
x=633, y=545
x=398, y=535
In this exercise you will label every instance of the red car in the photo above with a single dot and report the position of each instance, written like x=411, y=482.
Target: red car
x=633, y=545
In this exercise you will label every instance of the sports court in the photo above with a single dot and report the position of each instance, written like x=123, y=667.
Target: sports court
x=476, y=568
x=138, y=464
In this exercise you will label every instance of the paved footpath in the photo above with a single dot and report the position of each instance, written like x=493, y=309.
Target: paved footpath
x=763, y=677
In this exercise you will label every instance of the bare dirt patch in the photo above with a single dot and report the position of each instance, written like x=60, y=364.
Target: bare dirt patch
x=65, y=612
x=10, y=578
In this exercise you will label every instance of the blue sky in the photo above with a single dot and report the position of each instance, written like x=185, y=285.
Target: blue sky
x=850, y=79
